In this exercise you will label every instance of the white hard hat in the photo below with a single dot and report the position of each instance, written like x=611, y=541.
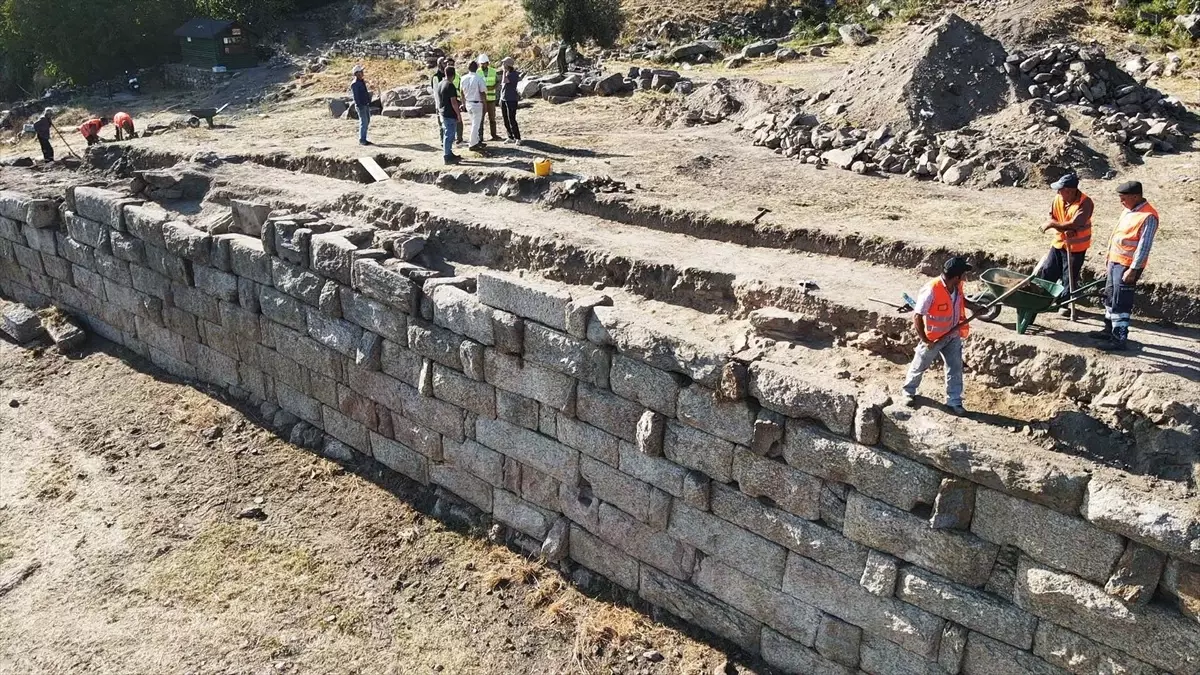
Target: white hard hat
x=482, y=58
x=356, y=69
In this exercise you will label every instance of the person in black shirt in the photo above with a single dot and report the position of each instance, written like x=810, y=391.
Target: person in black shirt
x=448, y=109
x=42, y=128
x=509, y=77
x=362, y=102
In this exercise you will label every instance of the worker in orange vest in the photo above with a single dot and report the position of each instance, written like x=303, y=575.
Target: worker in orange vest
x=91, y=129
x=1128, y=252
x=124, y=124
x=941, y=307
x=1071, y=222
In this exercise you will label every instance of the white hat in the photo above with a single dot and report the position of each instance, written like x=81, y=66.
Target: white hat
x=483, y=58
x=356, y=69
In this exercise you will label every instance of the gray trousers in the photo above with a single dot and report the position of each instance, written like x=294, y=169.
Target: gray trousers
x=950, y=351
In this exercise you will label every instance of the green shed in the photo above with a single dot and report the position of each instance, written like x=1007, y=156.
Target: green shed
x=206, y=43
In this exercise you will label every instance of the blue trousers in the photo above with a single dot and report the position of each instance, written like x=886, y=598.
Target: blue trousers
x=949, y=351
x=364, y=121
x=448, y=135
x=1118, y=300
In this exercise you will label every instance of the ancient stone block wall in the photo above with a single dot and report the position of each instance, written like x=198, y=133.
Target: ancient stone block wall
x=776, y=506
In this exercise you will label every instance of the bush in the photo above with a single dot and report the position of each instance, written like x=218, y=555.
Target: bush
x=577, y=21
x=1153, y=17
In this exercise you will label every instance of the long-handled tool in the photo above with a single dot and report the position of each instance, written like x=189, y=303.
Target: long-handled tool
x=1070, y=280
x=64, y=140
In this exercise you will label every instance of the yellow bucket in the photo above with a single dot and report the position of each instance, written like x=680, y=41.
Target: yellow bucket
x=541, y=167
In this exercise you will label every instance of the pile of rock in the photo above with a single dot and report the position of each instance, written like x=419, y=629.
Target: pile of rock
x=562, y=88
x=426, y=53
x=170, y=184
x=32, y=329
x=1125, y=111
x=1138, y=66
x=407, y=102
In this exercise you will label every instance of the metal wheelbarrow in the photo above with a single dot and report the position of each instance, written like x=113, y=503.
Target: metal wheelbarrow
x=206, y=114
x=1037, y=297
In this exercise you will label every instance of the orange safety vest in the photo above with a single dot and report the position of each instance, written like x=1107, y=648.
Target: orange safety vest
x=1079, y=240
x=90, y=127
x=1128, y=233
x=944, y=313
x=123, y=120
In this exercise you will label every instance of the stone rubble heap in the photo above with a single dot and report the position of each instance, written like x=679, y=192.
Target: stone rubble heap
x=1127, y=112
x=424, y=53
x=797, y=515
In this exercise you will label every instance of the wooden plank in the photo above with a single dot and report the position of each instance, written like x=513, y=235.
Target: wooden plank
x=373, y=168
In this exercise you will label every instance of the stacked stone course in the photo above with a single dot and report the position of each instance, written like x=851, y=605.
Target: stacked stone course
x=787, y=512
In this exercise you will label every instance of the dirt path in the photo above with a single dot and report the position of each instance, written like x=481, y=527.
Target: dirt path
x=122, y=551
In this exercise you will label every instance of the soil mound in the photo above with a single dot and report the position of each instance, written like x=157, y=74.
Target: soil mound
x=1018, y=23
x=936, y=79
x=736, y=99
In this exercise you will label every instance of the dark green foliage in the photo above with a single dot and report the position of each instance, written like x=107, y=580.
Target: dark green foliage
x=1153, y=17
x=577, y=21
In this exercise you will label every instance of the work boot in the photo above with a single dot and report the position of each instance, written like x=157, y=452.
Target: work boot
x=907, y=400
x=957, y=410
x=1118, y=342
x=1105, y=334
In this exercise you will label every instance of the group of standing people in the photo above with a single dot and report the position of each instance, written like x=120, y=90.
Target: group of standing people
x=477, y=92
x=940, y=320
x=90, y=130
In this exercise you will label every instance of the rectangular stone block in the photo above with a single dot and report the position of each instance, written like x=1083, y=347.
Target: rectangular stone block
x=759, y=601
x=518, y=410
x=793, y=491
x=127, y=247
x=805, y=394
x=103, y=206
x=346, y=430
x=463, y=485
x=435, y=343
x=463, y=313
x=306, y=351
x=57, y=268
x=296, y=282
x=41, y=213
x=623, y=491
x=385, y=284
x=742, y=550
x=529, y=448
x=159, y=338
x=145, y=222
x=283, y=369
x=423, y=440
x=10, y=229
x=87, y=232
x=973, y=450
x=297, y=403
x=14, y=205
x=655, y=389
x=825, y=546
x=401, y=363
x=355, y=406
x=588, y=439
x=219, y=338
x=696, y=607
x=1152, y=634
x=195, y=302
x=283, y=309
x=249, y=260
x=113, y=269
x=541, y=301
x=985, y=655
x=336, y=334
x=173, y=267
x=661, y=473
x=374, y=316
x=976, y=610
x=793, y=657
x=212, y=366
x=529, y=380
x=877, y=655
x=521, y=515
x=28, y=258
x=1161, y=520
x=564, y=354
x=187, y=242
x=475, y=459
x=958, y=556
x=880, y=474
x=444, y=418
x=453, y=387
x=1076, y=654
x=603, y=559
x=697, y=450
x=733, y=421
x=645, y=543
x=1068, y=543
x=399, y=458
x=838, y=641
x=333, y=256
x=663, y=347
x=907, y=626
x=42, y=241
x=75, y=251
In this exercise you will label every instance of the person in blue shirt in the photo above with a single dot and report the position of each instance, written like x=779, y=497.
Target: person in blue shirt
x=362, y=102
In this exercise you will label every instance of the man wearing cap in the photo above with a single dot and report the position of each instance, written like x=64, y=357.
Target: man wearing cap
x=474, y=92
x=1071, y=222
x=941, y=307
x=41, y=128
x=1128, y=252
x=362, y=104
x=509, y=79
x=491, y=80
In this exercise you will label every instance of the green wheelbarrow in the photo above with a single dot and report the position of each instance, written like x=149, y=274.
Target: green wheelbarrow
x=1036, y=297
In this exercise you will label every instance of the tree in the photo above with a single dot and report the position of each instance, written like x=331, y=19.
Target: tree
x=577, y=21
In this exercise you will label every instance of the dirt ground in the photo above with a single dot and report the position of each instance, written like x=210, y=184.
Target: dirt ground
x=122, y=550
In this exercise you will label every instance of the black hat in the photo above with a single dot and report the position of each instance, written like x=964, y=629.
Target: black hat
x=1131, y=187
x=956, y=266
x=1068, y=181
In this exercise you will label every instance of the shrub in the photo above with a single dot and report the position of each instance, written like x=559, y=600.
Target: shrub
x=577, y=21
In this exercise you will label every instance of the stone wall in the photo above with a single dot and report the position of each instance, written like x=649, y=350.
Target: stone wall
x=190, y=77
x=776, y=506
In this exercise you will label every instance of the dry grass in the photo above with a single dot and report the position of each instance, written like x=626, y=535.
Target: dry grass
x=464, y=28
x=381, y=74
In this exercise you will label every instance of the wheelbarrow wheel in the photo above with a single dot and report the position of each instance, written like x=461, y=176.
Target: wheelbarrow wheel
x=977, y=303
x=989, y=315
x=194, y=122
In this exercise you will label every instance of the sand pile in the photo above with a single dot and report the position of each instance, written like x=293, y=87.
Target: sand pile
x=936, y=79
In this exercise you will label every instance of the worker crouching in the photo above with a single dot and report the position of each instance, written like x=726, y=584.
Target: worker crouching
x=91, y=129
x=123, y=121
x=939, y=322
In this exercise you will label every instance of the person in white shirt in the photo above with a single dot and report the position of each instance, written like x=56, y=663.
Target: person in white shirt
x=474, y=94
